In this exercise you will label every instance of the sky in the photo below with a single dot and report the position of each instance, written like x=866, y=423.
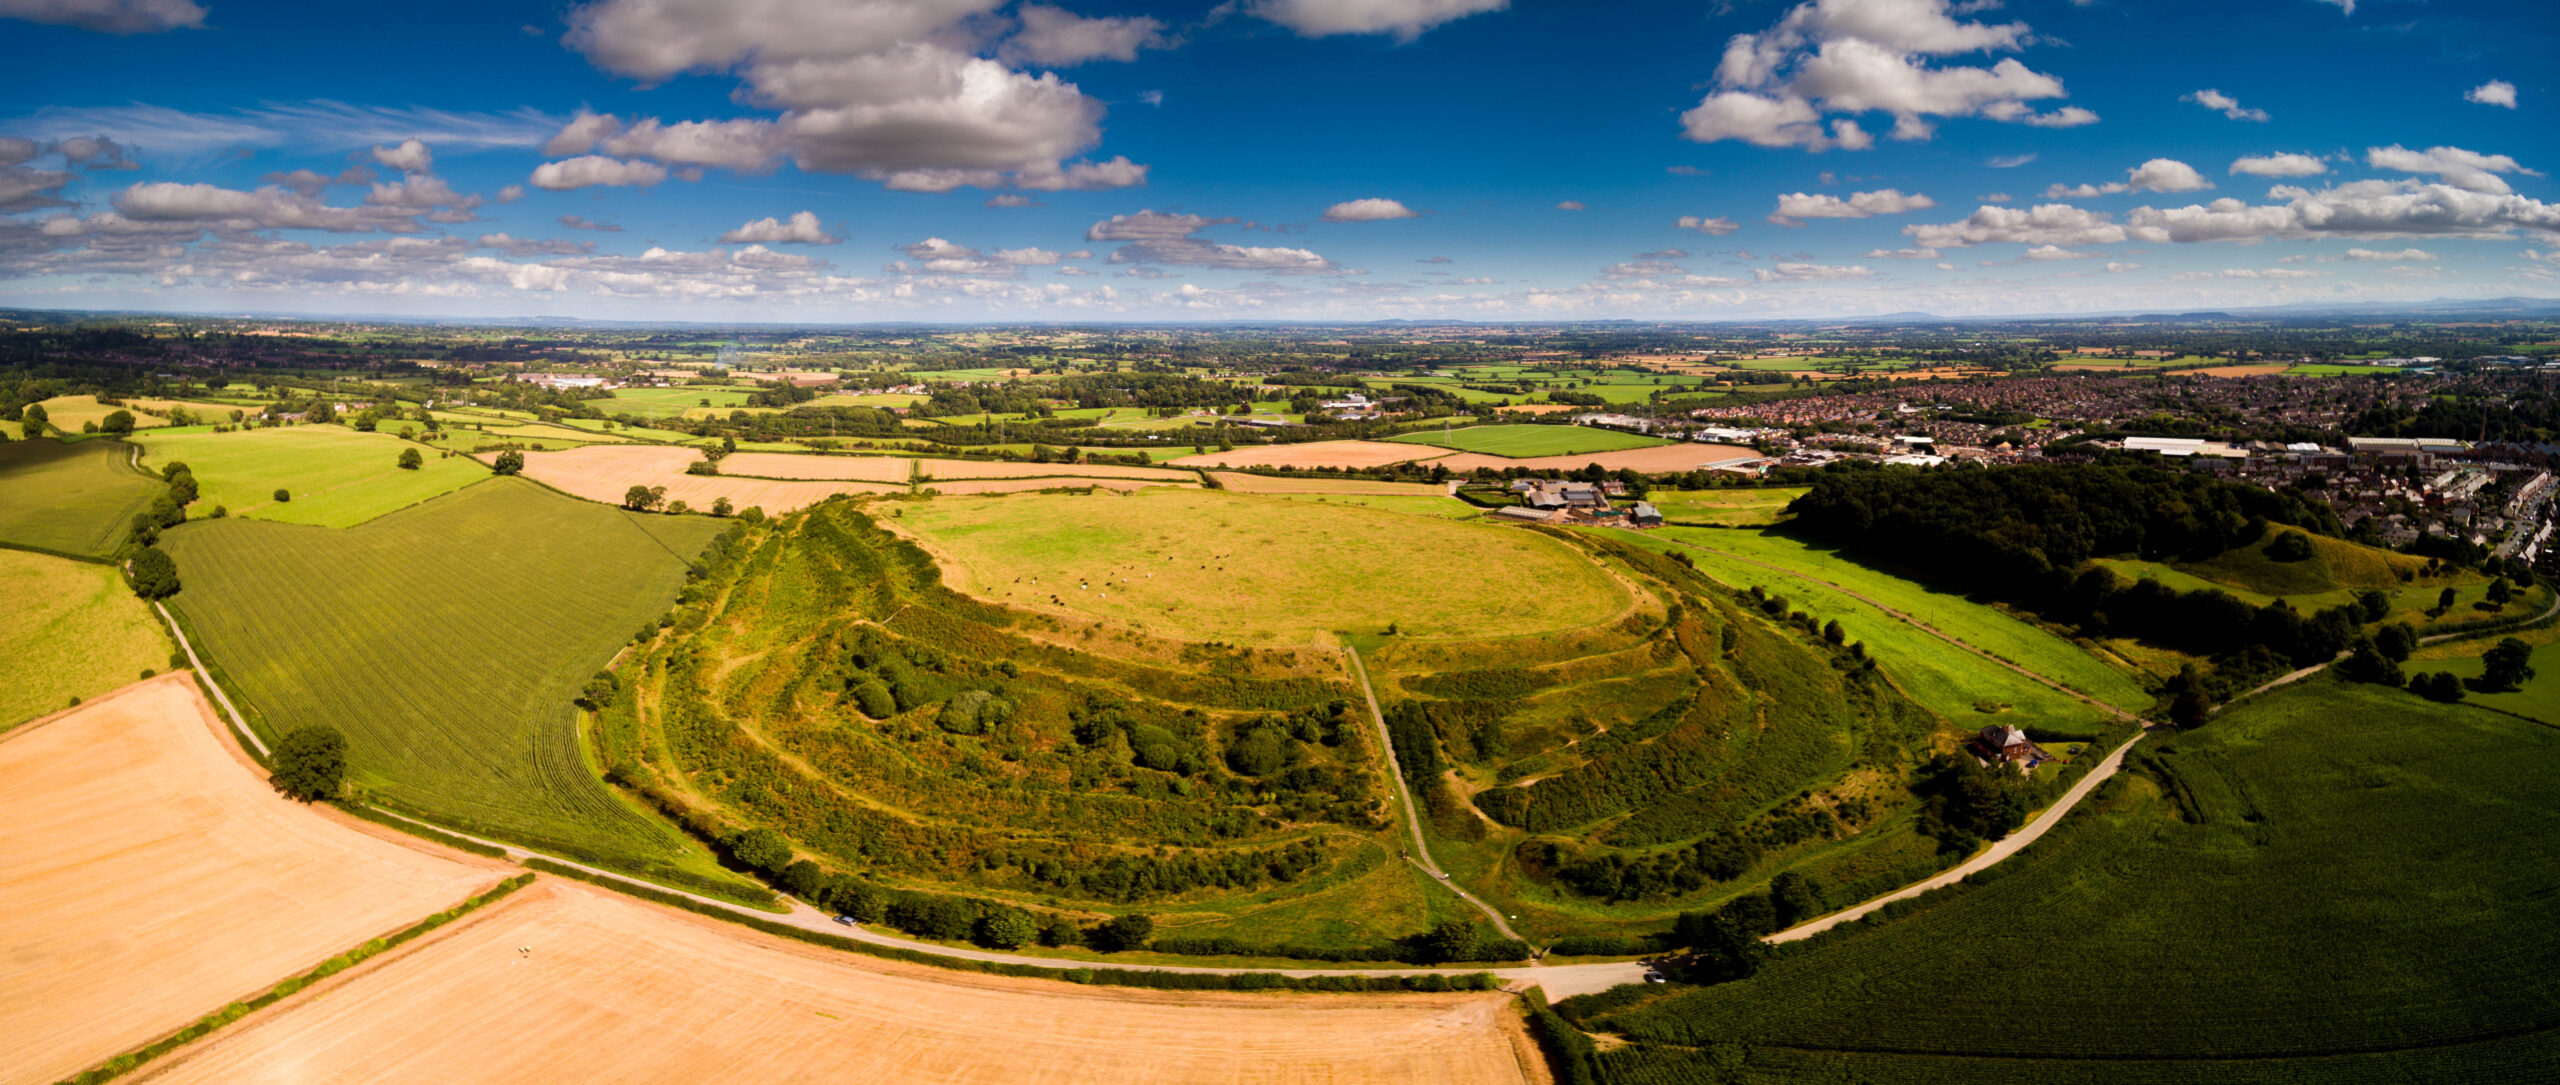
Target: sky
x=957, y=161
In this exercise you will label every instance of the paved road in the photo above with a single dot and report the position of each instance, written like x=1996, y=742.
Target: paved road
x=1421, y=856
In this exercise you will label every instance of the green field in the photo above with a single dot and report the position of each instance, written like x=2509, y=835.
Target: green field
x=447, y=641
x=671, y=401
x=1528, y=441
x=2538, y=698
x=1982, y=626
x=1446, y=508
x=70, y=498
x=1725, y=508
x=71, y=413
x=337, y=477
x=71, y=629
x=2333, y=883
x=1203, y=565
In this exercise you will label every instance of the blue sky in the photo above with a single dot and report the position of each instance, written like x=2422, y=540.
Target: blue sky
x=964, y=160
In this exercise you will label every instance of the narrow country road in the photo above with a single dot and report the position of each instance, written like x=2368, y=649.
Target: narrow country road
x=1421, y=856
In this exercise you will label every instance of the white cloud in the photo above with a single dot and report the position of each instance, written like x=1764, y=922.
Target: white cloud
x=272, y=207
x=2054, y=252
x=1775, y=88
x=2009, y=161
x=580, y=135
x=2496, y=92
x=1794, y=207
x=1148, y=226
x=2279, y=165
x=1902, y=254
x=581, y=222
x=1712, y=227
x=94, y=152
x=14, y=150
x=2228, y=105
x=587, y=170
x=2156, y=175
x=1082, y=176
x=520, y=246
x=801, y=229
x=1011, y=199
x=2467, y=170
x=2118, y=267
x=1993, y=197
x=108, y=16
x=1790, y=272
x=1060, y=38
x=1571, y=205
x=2403, y=254
x=24, y=189
x=1370, y=209
x=410, y=156
x=2371, y=209
x=1170, y=238
x=2247, y=273
x=2345, y=7
x=746, y=145
x=1406, y=19
x=2044, y=224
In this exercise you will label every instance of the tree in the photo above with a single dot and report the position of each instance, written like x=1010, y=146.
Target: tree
x=762, y=849
x=1796, y=898
x=410, y=460
x=32, y=420
x=283, y=495
x=2444, y=601
x=1122, y=932
x=599, y=691
x=722, y=507
x=2437, y=686
x=310, y=763
x=182, y=488
x=510, y=462
x=874, y=699
x=1061, y=931
x=1006, y=928
x=2367, y=663
x=643, y=498
x=1448, y=941
x=2500, y=592
x=1832, y=632
x=2396, y=641
x=2505, y=667
x=117, y=422
x=155, y=573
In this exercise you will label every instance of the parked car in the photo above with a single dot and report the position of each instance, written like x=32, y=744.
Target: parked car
x=845, y=919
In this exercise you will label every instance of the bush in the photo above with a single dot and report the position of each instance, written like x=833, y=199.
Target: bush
x=509, y=462
x=155, y=573
x=762, y=849
x=283, y=495
x=311, y=763
x=1122, y=932
x=874, y=699
x=1006, y=928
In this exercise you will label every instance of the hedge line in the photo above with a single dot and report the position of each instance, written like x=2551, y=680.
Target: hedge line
x=360, y=810
x=1096, y=977
x=126, y=1063
x=1570, y=1054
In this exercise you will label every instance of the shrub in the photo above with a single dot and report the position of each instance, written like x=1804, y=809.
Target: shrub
x=311, y=763
x=509, y=462
x=762, y=849
x=1122, y=932
x=283, y=495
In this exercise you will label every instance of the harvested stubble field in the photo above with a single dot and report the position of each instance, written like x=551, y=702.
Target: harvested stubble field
x=1316, y=454
x=70, y=413
x=70, y=498
x=948, y=469
x=148, y=876
x=447, y=641
x=1266, y=484
x=604, y=473
x=71, y=629
x=337, y=477
x=1203, y=565
x=1529, y=441
x=595, y=997
x=896, y=469
x=961, y=487
x=1686, y=456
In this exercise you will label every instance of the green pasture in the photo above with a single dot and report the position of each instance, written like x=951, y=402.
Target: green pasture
x=76, y=497
x=1445, y=508
x=2538, y=698
x=71, y=629
x=1982, y=626
x=337, y=477
x=2330, y=883
x=2329, y=369
x=609, y=428
x=1527, y=441
x=1206, y=565
x=71, y=414
x=447, y=641
x=1725, y=508
x=675, y=400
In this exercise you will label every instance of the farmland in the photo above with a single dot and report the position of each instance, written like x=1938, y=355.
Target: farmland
x=1213, y=566
x=593, y=999
x=335, y=476
x=129, y=918
x=1345, y=454
x=1527, y=442
x=1676, y=457
x=71, y=629
x=1267, y=484
x=76, y=498
x=606, y=473
x=964, y=469
x=2181, y=901
x=778, y=465
x=75, y=414
x=1725, y=508
x=524, y=591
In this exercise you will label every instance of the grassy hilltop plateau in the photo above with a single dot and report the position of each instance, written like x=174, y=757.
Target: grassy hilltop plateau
x=1682, y=704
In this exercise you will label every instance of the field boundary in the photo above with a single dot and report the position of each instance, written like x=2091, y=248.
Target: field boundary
x=204, y=674
x=1421, y=856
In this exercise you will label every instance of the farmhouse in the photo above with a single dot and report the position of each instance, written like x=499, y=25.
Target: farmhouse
x=2002, y=745
x=563, y=380
x=1547, y=494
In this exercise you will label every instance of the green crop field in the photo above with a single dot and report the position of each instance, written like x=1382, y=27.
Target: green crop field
x=668, y=401
x=71, y=629
x=70, y=498
x=337, y=477
x=1528, y=441
x=71, y=413
x=1974, y=623
x=2300, y=891
x=1725, y=508
x=2326, y=369
x=1202, y=565
x=447, y=641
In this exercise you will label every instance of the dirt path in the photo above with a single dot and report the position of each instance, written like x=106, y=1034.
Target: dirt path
x=2006, y=847
x=1421, y=856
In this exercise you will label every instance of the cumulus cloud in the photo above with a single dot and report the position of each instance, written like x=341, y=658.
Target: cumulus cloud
x=2402, y=254
x=2118, y=267
x=1406, y=19
x=2497, y=92
x=800, y=229
x=2365, y=209
x=1902, y=254
x=579, y=136
x=2157, y=175
x=24, y=189
x=1712, y=227
x=94, y=152
x=1119, y=172
x=1790, y=272
x=581, y=222
x=1794, y=207
x=2054, y=252
x=2470, y=171
x=1371, y=209
x=525, y=246
x=2045, y=224
x=1012, y=199
x=271, y=207
x=2247, y=273
x=108, y=16
x=2224, y=103
x=1779, y=87
x=410, y=156
x=1154, y=237
x=746, y=145
x=2279, y=165
x=1571, y=205
x=586, y=170
x=1061, y=39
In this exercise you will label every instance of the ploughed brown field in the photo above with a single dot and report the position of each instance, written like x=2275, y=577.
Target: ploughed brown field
x=944, y=469
x=2240, y=370
x=1022, y=485
x=604, y=472
x=1316, y=454
x=149, y=876
x=564, y=982
x=788, y=465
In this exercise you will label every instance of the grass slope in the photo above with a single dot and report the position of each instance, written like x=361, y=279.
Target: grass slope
x=71, y=629
x=75, y=498
x=1725, y=508
x=447, y=641
x=2334, y=883
x=337, y=476
x=1202, y=565
x=1525, y=442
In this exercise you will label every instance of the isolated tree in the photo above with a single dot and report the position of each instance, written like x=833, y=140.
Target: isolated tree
x=1832, y=632
x=2396, y=641
x=2506, y=666
x=874, y=699
x=155, y=573
x=32, y=420
x=2444, y=601
x=410, y=460
x=2375, y=604
x=283, y=495
x=2500, y=592
x=643, y=498
x=722, y=507
x=117, y=422
x=509, y=462
x=310, y=763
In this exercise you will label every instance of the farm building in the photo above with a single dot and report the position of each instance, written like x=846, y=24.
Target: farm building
x=1555, y=493
x=2002, y=745
x=1524, y=514
x=1645, y=515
